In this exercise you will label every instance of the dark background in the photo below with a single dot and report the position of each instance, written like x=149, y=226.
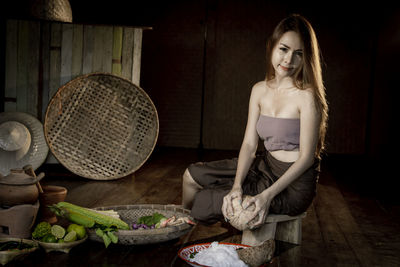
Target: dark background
x=202, y=57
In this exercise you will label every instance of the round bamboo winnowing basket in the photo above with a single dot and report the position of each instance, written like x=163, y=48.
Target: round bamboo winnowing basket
x=131, y=213
x=101, y=126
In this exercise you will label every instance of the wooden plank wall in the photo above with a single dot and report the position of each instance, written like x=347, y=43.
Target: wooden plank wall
x=236, y=34
x=172, y=66
x=42, y=56
x=235, y=62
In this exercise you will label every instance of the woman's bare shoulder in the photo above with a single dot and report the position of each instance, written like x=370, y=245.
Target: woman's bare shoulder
x=259, y=87
x=307, y=93
x=307, y=98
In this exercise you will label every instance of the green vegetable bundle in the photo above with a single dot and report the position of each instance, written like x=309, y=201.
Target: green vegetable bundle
x=104, y=225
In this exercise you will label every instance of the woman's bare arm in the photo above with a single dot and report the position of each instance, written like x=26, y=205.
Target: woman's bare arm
x=248, y=149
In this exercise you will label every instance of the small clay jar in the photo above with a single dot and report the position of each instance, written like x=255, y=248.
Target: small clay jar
x=52, y=194
x=18, y=188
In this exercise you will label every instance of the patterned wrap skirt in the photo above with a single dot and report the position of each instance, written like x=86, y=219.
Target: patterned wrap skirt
x=217, y=177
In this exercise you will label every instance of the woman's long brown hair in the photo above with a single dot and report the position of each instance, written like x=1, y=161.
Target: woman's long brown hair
x=310, y=74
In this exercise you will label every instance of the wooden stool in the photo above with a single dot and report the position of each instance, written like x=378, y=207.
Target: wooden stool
x=279, y=227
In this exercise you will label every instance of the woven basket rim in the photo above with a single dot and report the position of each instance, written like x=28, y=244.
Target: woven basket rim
x=85, y=76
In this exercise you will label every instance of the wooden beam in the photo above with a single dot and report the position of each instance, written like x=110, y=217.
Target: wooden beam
x=11, y=65
x=22, y=66
x=66, y=53
x=55, y=58
x=77, y=51
x=127, y=53
x=88, y=49
x=137, y=55
x=117, y=51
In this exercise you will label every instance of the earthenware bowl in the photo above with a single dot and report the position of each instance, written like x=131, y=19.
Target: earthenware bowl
x=52, y=194
x=9, y=255
x=62, y=247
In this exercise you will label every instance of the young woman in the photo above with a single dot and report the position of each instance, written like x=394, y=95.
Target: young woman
x=289, y=112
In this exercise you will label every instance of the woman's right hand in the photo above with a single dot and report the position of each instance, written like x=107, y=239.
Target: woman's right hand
x=227, y=208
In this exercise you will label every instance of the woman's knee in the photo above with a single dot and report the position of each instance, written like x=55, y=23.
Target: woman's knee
x=188, y=179
x=207, y=206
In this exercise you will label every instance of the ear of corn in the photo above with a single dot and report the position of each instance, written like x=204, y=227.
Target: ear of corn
x=85, y=214
x=111, y=213
x=79, y=219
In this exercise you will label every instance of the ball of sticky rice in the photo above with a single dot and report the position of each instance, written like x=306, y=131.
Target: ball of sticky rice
x=240, y=217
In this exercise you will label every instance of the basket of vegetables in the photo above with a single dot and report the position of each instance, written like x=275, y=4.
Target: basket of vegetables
x=129, y=224
x=104, y=224
x=149, y=223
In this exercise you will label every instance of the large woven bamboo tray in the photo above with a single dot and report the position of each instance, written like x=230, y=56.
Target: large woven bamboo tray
x=131, y=213
x=101, y=126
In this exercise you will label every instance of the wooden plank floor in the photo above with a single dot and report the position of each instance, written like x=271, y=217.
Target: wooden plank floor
x=343, y=227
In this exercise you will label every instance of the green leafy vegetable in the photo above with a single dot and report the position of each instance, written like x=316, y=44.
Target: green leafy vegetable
x=106, y=240
x=107, y=234
x=42, y=229
x=113, y=237
x=99, y=232
x=151, y=219
x=193, y=254
x=10, y=245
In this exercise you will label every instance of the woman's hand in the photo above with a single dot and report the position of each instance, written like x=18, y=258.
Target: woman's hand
x=262, y=202
x=227, y=208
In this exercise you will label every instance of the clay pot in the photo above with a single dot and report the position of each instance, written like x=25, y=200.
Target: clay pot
x=18, y=188
x=52, y=194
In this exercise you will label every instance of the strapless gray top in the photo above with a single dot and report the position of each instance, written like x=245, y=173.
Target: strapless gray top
x=279, y=133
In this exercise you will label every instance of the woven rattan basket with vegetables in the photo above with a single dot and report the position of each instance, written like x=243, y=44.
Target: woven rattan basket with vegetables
x=101, y=126
x=131, y=214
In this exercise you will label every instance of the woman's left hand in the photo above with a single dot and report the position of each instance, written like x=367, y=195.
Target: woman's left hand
x=262, y=202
